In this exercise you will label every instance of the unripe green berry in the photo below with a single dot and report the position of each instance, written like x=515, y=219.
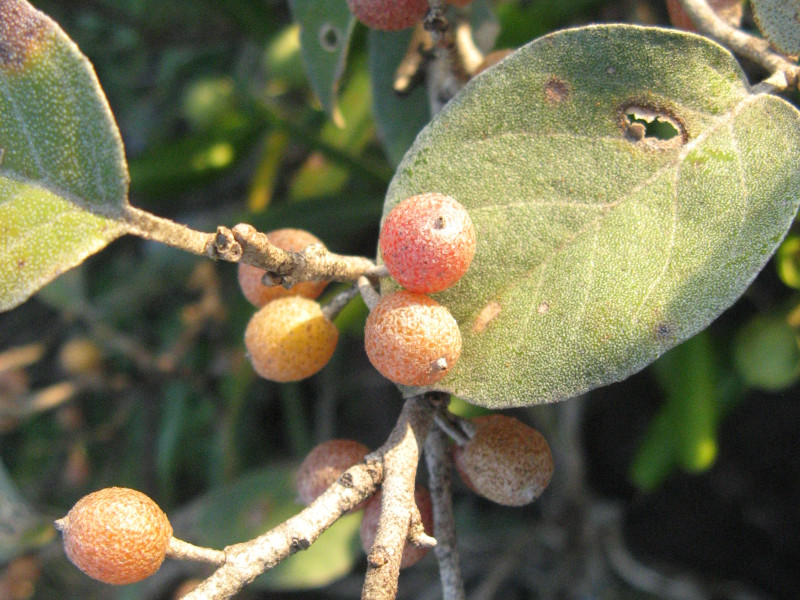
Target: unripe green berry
x=372, y=515
x=291, y=240
x=290, y=339
x=388, y=15
x=325, y=464
x=412, y=339
x=505, y=461
x=116, y=535
x=427, y=242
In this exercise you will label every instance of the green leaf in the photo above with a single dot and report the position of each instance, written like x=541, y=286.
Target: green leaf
x=601, y=243
x=63, y=179
x=254, y=504
x=779, y=21
x=326, y=26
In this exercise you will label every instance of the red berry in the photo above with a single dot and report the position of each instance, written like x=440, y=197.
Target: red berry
x=388, y=15
x=427, y=242
x=505, y=461
x=291, y=240
x=116, y=535
x=412, y=339
x=325, y=464
x=372, y=514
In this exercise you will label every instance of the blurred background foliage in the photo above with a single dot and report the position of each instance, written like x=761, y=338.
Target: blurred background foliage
x=684, y=481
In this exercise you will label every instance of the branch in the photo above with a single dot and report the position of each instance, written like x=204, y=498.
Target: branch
x=246, y=561
x=439, y=461
x=244, y=244
x=400, y=456
x=784, y=74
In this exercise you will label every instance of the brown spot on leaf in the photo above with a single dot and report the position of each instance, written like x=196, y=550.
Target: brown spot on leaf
x=543, y=308
x=22, y=31
x=663, y=331
x=487, y=315
x=556, y=90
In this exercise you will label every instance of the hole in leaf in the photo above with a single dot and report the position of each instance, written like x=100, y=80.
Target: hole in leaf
x=654, y=126
x=329, y=37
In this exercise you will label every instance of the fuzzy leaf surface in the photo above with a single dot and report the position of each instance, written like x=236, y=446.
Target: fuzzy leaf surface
x=602, y=241
x=63, y=179
x=779, y=21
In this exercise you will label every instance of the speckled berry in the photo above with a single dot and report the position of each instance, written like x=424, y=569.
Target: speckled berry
x=388, y=15
x=505, y=461
x=427, y=242
x=372, y=515
x=412, y=339
x=290, y=339
x=291, y=240
x=325, y=464
x=116, y=535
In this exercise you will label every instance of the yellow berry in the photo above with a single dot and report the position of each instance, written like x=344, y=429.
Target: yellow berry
x=291, y=240
x=290, y=339
x=412, y=339
x=116, y=535
x=505, y=461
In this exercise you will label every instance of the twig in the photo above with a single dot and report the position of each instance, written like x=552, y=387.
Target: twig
x=437, y=457
x=459, y=430
x=180, y=550
x=784, y=74
x=368, y=293
x=339, y=301
x=246, y=561
x=243, y=243
x=400, y=457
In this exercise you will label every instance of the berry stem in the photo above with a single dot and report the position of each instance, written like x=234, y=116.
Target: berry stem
x=180, y=550
x=439, y=462
x=368, y=293
x=452, y=426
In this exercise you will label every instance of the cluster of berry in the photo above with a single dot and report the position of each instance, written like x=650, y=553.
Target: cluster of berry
x=391, y=15
x=119, y=535
x=427, y=243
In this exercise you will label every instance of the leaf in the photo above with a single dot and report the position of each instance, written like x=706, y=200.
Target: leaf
x=326, y=26
x=779, y=21
x=255, y=503
x=601, y=243
x=63, y=179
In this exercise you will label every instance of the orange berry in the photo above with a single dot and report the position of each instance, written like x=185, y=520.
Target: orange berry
x=412, y=339
x=372, y=515
x=427, y=242
x=505, y=461
x=291, y=240
x=325, y=464
x=116, y=535
x=388, y=15
x=290, y=339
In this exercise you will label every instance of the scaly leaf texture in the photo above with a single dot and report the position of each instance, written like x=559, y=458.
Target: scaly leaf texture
x=625, y=187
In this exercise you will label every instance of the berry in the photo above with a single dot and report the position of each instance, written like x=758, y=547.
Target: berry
x=116, y=535
x=80, y=357
x=325, y=464
x=290, y=339
x=427, y=242
x=459, y=2
x=505, y=461
x=372, y=514
x=412, y=339
x=291, y=240
x=388, y=15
